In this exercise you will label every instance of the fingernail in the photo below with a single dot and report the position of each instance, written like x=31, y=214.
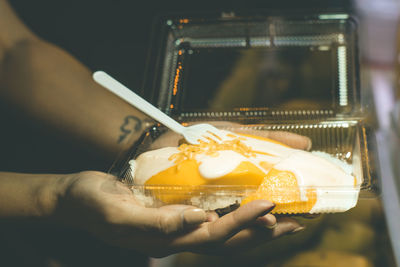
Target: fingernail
x=194, y=216
x=296, y=230
x=270, y=209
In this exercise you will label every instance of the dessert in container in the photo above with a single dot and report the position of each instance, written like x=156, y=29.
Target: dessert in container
x=263, y=73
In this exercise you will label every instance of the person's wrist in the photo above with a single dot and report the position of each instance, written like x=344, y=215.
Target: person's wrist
x=50, y=194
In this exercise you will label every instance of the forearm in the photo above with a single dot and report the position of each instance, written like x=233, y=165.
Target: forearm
x=55, y=89
x=12, y=29
x=29, y=196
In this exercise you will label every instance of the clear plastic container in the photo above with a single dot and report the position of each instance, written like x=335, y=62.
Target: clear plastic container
x=345, y=140
x=287, y=73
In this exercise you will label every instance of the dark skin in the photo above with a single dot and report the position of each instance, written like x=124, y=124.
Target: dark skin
x=54, y=89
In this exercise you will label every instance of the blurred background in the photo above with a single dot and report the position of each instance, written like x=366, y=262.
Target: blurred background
x=115, y=36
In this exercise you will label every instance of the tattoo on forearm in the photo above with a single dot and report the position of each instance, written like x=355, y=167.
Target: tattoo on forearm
x=131, y=124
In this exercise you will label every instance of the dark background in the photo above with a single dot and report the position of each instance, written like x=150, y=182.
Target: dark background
x=111, y=35
x=115, y=36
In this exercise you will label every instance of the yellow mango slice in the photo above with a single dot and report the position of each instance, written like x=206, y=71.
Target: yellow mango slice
x=186, y=174
x=246, y=173
x=281, y=188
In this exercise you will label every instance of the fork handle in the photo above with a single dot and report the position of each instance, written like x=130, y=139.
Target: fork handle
x=135, y=100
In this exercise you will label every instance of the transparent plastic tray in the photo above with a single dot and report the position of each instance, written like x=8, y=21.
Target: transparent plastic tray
x=345, y=140
x=295, y=73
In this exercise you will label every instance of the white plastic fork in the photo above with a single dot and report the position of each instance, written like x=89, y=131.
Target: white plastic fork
x=193, y=134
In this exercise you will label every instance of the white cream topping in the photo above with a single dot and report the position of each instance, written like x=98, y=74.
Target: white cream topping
x=152, y=162
x=223, y=164
x=311, y=170
x=228, y=160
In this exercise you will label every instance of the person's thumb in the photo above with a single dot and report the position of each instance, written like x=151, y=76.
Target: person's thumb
x=174, y=218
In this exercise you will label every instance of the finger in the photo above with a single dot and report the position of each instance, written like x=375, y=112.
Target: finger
x=310, y=216
x=291, y=139
x=212, y=216
x=169, y=219
x=182, y=216
x=268, y=221
x=235, y=221
x=255, y=236
x=220, y=230
x=288, y=138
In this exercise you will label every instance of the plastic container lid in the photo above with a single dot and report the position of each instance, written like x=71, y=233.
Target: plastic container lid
x=287, y=73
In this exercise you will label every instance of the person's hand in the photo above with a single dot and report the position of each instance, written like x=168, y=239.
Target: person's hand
x=98, y=203
x=293, y=140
